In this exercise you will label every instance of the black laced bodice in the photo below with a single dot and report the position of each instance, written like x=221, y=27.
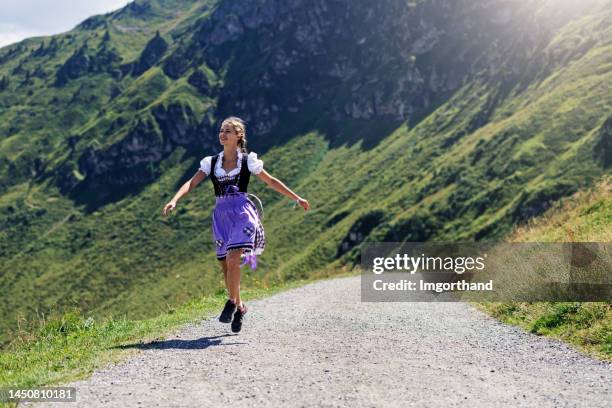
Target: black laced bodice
x=222, y=184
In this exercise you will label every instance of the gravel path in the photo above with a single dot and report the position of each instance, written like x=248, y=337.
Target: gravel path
x=319, y=345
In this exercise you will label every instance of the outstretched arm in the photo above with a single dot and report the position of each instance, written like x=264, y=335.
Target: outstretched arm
x=279, y=186
x=185, y=188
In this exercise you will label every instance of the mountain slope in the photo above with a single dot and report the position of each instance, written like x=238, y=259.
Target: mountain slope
x=432, y=120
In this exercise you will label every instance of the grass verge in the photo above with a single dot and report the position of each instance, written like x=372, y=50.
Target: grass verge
x=585, y=325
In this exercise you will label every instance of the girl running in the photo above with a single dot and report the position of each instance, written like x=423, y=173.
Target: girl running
x=236, y=225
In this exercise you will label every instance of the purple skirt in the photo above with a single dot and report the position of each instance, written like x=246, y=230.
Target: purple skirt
x=236, y=224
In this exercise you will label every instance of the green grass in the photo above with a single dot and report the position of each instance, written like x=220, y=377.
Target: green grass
x=585, y=325
x=584, y=217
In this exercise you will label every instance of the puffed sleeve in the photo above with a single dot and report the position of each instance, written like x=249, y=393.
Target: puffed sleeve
x=255, y=164
x=205, y=165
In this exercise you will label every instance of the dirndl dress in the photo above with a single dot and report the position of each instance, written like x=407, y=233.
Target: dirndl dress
x=236, y=223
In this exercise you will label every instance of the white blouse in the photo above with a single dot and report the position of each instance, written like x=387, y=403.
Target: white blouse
x=254, y=164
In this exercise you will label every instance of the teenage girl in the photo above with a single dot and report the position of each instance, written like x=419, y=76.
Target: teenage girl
x=236, y=226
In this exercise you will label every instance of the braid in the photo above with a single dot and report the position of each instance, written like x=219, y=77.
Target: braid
x=242, y=144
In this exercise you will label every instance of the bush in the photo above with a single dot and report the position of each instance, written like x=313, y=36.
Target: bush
x=557, y=316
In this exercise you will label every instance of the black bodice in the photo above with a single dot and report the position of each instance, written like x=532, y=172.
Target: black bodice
x=240, y=180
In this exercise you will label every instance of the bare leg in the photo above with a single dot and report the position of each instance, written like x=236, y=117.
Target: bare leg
x=233, y=275
x=223, y=264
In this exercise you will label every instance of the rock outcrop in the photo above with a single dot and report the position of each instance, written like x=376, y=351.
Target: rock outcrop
x=151, y=55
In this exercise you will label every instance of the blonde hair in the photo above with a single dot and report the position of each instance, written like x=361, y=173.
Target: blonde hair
x=239, y=126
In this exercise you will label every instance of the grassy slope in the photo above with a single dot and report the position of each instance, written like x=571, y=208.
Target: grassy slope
x=38, y=116
x=37, y=219
x=585, y=217
x=125, y=258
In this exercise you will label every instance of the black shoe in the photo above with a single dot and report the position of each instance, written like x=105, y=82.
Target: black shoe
x=237, y=322
x=228, y=312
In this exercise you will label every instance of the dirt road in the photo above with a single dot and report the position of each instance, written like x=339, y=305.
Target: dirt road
x=319, y=345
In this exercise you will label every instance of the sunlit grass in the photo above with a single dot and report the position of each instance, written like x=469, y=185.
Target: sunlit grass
x=585, y=217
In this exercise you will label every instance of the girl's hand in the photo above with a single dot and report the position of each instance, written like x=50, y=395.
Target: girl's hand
x=168, y=208
x=303, y=203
